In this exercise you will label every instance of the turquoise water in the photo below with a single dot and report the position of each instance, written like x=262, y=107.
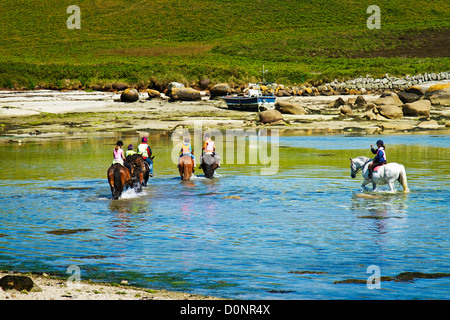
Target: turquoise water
x=242, y=235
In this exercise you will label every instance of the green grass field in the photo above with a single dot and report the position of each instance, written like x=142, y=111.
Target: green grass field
x=150, y=43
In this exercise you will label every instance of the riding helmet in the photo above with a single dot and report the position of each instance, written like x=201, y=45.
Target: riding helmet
x=380, y=142
x=130, y=147
x=144, y=139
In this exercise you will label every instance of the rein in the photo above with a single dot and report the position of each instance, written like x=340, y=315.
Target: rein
x=362, y=167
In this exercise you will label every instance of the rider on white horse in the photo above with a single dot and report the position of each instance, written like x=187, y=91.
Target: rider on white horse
x=387, y=174
x=380, y=157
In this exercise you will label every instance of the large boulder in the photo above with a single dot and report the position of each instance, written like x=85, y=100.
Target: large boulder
x=219, y=90
x=338, y=102
x=19, y=283
x=270, y=116
x=360, y=102
x=408, y=97
x=185, y=94
x=152, y=94
x=439, y=94
x=430, y=124
x=173, y=85
x=389, y=111
x=418, y=108
x=129, y=95
x=389, y=99
x=289, y=107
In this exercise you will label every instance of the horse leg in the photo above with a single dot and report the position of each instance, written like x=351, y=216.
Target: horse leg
x=374, y=186
x=391, y=186
x=365, y=182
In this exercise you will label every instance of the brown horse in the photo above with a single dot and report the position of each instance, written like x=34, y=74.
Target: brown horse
x=186, y=167
x=120, y=178
x=140, y=170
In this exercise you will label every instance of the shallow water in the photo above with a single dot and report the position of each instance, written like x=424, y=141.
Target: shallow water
x=242, y=235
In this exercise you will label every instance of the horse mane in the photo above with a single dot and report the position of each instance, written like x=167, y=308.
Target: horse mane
x=362, y=158
x=133, y=157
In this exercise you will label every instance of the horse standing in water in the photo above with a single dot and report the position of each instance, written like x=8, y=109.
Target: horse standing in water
x=209, y=164
x=385, y=174
x=119, y=176
x=186, y=167
x=144, y=171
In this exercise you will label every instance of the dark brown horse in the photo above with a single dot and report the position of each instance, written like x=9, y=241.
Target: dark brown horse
x=186, y=167
x=120, y=178
x=209, y=164
x=140, y=169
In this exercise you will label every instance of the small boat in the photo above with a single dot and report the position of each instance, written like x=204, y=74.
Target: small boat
x=253, y=100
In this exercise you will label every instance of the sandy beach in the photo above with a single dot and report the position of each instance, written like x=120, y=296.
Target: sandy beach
x=65, y=113
x=54, y=288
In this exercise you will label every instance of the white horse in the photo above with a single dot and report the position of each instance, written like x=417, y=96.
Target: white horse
x=386, y=174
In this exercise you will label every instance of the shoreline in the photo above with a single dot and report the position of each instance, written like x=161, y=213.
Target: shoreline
x=47, y=114
x=57, y=288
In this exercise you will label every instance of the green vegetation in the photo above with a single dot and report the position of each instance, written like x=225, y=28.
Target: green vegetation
x=150, y=43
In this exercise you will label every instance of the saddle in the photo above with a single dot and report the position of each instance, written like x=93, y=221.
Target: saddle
x=377, y=167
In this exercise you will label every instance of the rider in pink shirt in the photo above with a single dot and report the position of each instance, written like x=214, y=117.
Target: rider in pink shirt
x=119, y=156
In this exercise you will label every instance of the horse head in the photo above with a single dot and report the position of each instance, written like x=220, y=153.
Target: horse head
x=357, y=164
x=354, y=168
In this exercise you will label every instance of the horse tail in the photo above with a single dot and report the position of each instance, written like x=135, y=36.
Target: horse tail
x=402, y=179
x=118, y=187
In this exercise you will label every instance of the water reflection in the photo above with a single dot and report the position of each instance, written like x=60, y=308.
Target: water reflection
x=382, y=211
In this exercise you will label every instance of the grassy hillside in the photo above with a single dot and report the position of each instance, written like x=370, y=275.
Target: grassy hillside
x=149, y=43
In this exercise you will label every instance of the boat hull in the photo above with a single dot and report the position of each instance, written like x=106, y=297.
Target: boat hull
x=250, y=103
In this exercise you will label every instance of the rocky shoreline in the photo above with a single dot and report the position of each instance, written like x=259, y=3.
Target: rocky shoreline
x=46, y=113
x=27, y=286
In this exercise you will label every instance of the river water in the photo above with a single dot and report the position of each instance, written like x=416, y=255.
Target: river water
x=288, y=233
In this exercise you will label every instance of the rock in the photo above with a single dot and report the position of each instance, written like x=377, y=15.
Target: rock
x=439, y=94
x=390, y=99
x=152, y=94
x=370, y=115
x=418, y=108
x=219, y=90
x=419, y=89
x=339, y=102
x=173, y=85
x=19, y=283
x=129, y=95
x=360, y=102
x=185, y=94
x=408, y=97
x=308, y=91
x=351, y=101
x=396, y=126
x=389, y=111
x=431, y=124
x=269, y=116
x=289, y=107
x=345, y=110
x=283, y=93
